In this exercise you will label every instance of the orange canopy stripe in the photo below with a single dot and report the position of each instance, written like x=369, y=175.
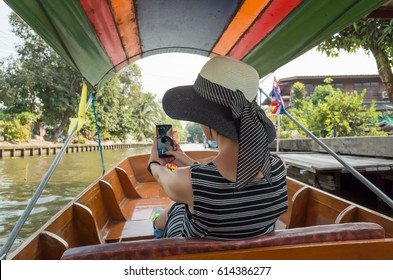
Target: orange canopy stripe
x=124, y=13
x=244, y=18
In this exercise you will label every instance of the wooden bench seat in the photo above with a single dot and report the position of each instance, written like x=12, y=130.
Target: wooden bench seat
x=186, y=247
x=310, y=206
x=113, y=215
x=314, y=207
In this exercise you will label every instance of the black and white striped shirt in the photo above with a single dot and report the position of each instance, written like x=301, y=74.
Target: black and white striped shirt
x=223, y=212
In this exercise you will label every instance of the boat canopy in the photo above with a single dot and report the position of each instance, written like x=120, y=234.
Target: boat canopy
x=100, y=37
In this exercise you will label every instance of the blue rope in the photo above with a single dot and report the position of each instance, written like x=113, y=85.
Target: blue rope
x=98, y=133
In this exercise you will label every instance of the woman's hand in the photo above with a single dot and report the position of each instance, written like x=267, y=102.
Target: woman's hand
x=154, y=153
x=179, y=157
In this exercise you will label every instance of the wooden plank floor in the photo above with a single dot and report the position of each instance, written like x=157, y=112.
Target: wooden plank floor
x=321, y=163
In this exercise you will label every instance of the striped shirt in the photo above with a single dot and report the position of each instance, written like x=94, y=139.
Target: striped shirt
x=223, y=212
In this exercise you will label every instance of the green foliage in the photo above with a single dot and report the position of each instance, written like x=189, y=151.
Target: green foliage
x=27, y=118
x=320, y=93
x=372, y=35
x=145, y=114
x=14, y=130
x=194, y=133
x=38, y=81
x=81, y=139
x=53, y=93
x=16, y=127
x=328, y=112
x=4, y=116
x=288, y=129
x=365, y=34
x=298, y=93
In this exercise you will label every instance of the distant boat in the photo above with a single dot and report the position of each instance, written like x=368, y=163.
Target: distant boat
x=210, y=144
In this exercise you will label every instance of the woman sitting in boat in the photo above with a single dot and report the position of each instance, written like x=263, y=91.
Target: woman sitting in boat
x=241, y=192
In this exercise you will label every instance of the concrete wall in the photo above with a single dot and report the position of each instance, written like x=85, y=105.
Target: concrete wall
x=363, y=146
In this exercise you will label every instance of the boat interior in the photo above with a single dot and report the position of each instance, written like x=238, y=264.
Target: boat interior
x=111, y=219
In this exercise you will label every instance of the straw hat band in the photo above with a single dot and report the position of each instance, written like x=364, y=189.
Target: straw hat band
x=254, y=154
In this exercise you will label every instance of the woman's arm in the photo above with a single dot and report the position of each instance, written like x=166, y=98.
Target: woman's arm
x=177, y=183
x=180, y=157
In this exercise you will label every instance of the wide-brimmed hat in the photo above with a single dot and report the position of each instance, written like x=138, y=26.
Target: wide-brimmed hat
x=223, y=98
x=186, y=103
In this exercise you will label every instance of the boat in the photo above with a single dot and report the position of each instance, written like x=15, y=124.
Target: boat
x=210, y=144
x=111, y=218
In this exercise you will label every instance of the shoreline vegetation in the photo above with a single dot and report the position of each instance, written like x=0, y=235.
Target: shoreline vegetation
x=39, y=142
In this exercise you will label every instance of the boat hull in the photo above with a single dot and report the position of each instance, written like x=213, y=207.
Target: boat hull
x=111, y=219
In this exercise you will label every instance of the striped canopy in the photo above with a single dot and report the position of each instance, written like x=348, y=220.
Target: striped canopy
x=99, y=37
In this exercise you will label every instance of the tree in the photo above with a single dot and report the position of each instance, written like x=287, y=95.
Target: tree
x=194, y=133
x=16, y=127
x=123, y=109
x=298, y=93
x=329, y=112
x=373, y=35
x=112, y=113
x=145, y=114
x=39, y=81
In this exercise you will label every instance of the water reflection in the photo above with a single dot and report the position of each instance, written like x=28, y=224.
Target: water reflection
x=19, y=178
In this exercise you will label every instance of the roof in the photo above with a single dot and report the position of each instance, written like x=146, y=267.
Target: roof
x=100, y=37
x=319, y=77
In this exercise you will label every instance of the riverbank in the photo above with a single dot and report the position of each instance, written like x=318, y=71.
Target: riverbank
x=369, y=146
x=41, y=147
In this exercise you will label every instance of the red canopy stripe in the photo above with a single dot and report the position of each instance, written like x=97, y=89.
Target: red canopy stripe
x=272, y=17
x=100, y=16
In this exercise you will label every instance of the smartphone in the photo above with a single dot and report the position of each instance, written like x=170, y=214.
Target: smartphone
x=165, y=141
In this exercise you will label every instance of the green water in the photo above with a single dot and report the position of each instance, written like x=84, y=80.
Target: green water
x=20, y=177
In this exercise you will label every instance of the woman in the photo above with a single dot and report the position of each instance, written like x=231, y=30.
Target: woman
x=168, y=144
x=241, y=192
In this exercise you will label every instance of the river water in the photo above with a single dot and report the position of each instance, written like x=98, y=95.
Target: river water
x=20, y=177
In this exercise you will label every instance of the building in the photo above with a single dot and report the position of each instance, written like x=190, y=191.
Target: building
x=375, y=90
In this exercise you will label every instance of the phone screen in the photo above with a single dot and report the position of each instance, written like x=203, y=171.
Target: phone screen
x=164, y=139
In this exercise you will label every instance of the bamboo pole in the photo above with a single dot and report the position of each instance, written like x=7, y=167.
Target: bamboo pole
x=18, y=226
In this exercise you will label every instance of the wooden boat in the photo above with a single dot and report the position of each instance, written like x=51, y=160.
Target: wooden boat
x=111, y=219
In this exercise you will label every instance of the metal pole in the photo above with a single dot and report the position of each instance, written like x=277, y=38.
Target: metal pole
x=15, y=231
x=356, y=173
x=278, y=133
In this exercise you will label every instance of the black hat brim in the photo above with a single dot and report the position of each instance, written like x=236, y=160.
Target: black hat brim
x=183, y=103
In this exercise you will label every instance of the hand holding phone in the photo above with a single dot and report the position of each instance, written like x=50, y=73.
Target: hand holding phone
x=165, y=141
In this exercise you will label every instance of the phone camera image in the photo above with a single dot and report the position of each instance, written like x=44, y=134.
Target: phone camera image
x=164, y=139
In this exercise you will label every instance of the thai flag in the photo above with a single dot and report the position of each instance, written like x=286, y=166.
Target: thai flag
x=278, y=106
